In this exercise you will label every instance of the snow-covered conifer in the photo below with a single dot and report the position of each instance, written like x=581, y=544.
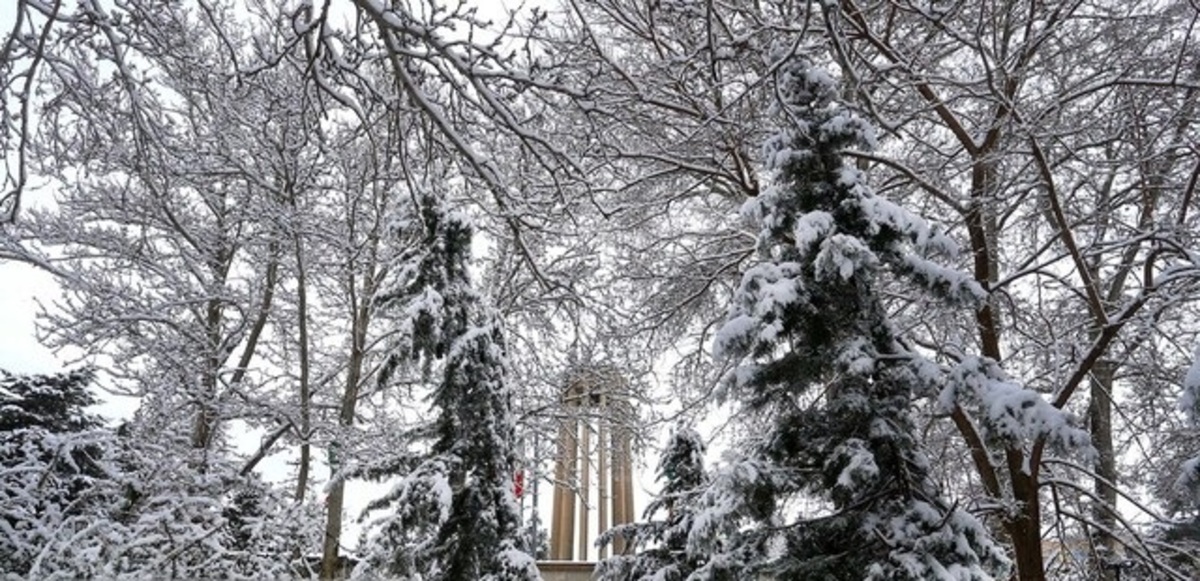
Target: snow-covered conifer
x=51, y=463
x=1188, y=483
x=80, y=501
x=660, y=546
x=455, y=515
x=817, y=362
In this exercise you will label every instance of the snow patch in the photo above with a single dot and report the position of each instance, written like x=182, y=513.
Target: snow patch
x=843, y=256
x=858, y=464
x=1011, y=411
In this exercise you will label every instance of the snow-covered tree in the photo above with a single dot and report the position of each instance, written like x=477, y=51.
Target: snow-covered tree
x=80, y=500
x=1061, y=170
x=454, y=512
x=171, y=521
x=967, y=109
x=1189, y=480
x=223, y=166
x=51, y=462
x=816, y=359
x=1184, y=497
x=660, y=546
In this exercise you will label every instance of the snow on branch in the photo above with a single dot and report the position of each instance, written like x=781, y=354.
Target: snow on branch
x=1011, y=411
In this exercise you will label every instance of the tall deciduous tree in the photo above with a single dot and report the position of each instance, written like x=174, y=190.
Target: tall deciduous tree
x=200, y=176
x=1053, y=137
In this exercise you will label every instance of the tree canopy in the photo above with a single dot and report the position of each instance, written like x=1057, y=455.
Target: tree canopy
x=920, y=275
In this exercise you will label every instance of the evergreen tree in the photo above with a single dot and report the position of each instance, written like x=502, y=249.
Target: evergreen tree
x=80, y=501
x=1183, y=501
x=51, y=462
x=166, y=519
x=817, y=361
x=56, y=402
x=660, y=546
x=1188, y=484
x=455, y=513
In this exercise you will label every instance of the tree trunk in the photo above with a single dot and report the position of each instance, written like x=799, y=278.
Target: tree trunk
x=305, y=396
x=1025, y=528
x=337, y=491
x=354, y=377
x=206, y=414
x=333, y=531
x=1104, y=510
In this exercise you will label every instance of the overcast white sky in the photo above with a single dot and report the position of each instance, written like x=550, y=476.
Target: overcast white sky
x=20, y=352
x=19, y=285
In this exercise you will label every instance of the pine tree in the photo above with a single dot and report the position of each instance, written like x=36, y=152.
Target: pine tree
x=660, y=546
x=55, y=402
x=817, y=362
x=455, y=513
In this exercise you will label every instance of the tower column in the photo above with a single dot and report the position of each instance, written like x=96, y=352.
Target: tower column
x=563, y=520
x=593, y=401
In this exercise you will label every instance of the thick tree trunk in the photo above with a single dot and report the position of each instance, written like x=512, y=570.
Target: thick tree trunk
x=1024, y=528
x=206, y=414
x=333, y=531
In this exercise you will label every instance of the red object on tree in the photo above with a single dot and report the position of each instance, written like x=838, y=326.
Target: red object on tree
x=519, y=483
